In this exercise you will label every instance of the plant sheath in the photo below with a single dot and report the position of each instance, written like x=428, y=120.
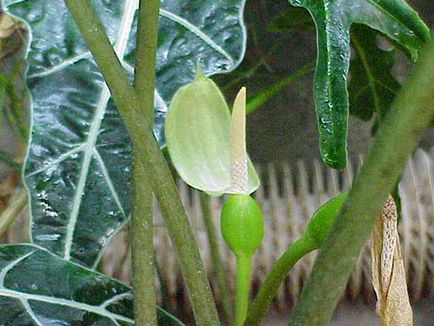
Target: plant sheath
x=7, y=159
x=275, y=278
x=142, y=222
x=152, y=160
x=15, y=206
x=409, y=116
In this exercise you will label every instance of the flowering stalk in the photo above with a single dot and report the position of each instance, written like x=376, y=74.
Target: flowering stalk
x=208, y=149
x=242, y=222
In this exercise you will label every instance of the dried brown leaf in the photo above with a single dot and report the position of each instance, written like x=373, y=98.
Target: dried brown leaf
x=388, y=272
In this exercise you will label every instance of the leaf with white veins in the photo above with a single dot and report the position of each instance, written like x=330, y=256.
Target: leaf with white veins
x=39, y=288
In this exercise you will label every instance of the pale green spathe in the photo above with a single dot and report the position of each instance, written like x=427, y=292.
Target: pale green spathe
x=198, y=129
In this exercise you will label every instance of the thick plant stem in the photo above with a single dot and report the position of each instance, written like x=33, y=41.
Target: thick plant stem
x=142, y=249
x=142, y=228
x=146, y=54
x=244, y=268
x=152, y=160
x=216, y=259
x=397, y=137
x=275, y=278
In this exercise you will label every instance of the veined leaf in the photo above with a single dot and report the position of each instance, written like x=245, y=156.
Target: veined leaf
x=372, y=87
x=333, y=19
x=78, y=164
x=39, y=288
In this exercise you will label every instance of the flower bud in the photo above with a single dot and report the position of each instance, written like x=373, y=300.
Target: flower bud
x=319, y=226
x=242, y=225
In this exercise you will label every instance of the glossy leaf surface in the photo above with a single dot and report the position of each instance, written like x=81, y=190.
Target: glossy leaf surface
x=372, y=87
x=333, y=18
x=39, y=288
x=78, y=165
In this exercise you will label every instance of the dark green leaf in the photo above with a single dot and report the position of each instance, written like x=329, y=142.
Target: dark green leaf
x=39, y=288
x=372, y=87
x=78, y=165
x=333, y=18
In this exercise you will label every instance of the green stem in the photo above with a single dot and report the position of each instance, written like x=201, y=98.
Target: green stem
x=257, y=100
x=164, y=292
x=142, y=247
x=397, y=137
x=244, y=268
x=14, y=208
x=275, y=278
x=217, y=263
x=152, y=160
x=142, y=229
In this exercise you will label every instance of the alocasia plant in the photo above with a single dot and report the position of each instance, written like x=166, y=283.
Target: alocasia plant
x=333, y=18
x=78, y=165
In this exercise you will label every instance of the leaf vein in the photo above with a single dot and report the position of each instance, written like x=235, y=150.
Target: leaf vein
x=30, y=311
x=53, y=69
x=195, y=30
x=109, y=181
x=61, y=158
x=64, y=302
x=11, y=265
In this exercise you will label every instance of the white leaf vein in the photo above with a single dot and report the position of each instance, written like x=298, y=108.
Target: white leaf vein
x=198, y=32
x=64, y=302
x=120, y=47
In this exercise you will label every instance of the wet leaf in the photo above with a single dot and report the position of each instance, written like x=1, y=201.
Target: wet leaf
x=39, y=288
x=78, y=165
x=388, y=271
x=372, y=87
x=333, y=18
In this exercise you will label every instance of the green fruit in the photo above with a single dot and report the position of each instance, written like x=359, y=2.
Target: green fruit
x=242, y=225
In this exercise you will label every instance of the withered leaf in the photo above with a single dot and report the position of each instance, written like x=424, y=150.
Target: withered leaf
x=388, y=272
